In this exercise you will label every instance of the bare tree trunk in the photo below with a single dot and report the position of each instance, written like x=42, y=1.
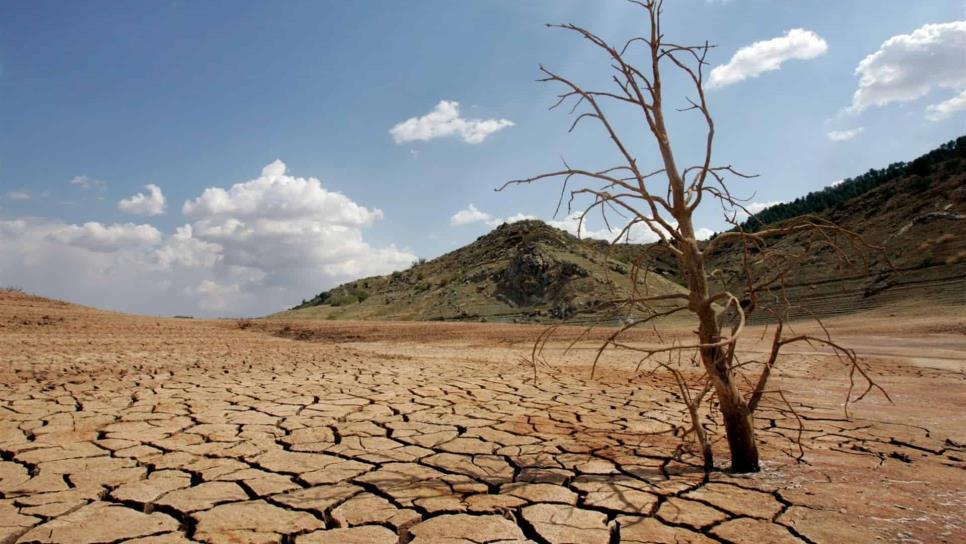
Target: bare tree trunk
x=634, y=193
x=738, y=420
x=740, y=430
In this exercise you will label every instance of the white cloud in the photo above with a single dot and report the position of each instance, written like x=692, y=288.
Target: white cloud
x=754, y=208
x=18, y=195
x=469, y=215
x=95, y=236
x=836, y=183
x=100, y=265
x=844, y=135
x=288, y=235
x=87, y=182
x=183, y=249
x=276, y=196
x=445, y=121
x=516, y=217
x=638, y=233
x=767, y=55
x=144, y=204
x=909, y=66
x=214, y=296
x=254, y=248
x=943, y=110
x=703, y=233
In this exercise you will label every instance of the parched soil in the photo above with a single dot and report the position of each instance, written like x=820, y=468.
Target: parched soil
x=117, y=428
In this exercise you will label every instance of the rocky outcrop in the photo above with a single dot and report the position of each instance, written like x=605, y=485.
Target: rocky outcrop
x=533, y=276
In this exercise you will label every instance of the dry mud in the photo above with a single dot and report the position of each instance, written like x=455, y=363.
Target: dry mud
x=117, y=428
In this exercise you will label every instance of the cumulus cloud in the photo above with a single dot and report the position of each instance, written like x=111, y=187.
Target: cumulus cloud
x=214, y=296
x=151, y=203
x=183, y=249
x=469, y=215
x=253, y=248
x=108, y=266
x=703, y=233
x=943, y=110
x=768, y=55
x=638, y=233
x=95, y=236
x=87, y=182
x=844, y=135
x=445, y=121
x=275, y=195
x=288, y=234
x=18, y=195
x=516, y=217
x=908, y=66
x=754, y=208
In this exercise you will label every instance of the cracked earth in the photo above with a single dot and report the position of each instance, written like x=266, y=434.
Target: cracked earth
x=118, y=428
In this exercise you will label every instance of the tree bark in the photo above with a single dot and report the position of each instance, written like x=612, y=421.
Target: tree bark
x=739, y=428
x=738, y=419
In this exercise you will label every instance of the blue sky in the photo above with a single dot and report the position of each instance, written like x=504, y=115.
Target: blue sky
x=190, y=96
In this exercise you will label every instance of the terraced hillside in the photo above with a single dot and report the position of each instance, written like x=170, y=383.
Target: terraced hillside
x=915, y=211
x=525, y=271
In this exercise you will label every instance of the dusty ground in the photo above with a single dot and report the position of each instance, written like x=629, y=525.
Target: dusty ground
x=130, y=429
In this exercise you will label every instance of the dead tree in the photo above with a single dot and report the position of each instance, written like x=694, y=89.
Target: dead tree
x=662, y=198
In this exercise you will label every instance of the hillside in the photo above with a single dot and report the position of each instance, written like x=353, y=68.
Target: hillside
x=531, y=272
x=915, y=211
x=524, y=271
x=946, y=159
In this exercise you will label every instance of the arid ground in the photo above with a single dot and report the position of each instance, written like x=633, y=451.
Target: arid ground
x=118, y=428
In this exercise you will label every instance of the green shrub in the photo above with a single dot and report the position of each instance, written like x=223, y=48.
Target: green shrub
x=345, y=297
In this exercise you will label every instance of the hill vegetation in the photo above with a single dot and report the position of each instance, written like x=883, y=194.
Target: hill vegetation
x=531, y=272
x=524, y=271
x=944, y=161
x=914, y=213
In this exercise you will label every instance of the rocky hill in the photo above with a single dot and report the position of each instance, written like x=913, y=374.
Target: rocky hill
x=529, y=271
x=524, y=271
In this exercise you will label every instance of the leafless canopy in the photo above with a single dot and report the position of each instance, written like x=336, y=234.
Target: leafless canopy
x=657, y=194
